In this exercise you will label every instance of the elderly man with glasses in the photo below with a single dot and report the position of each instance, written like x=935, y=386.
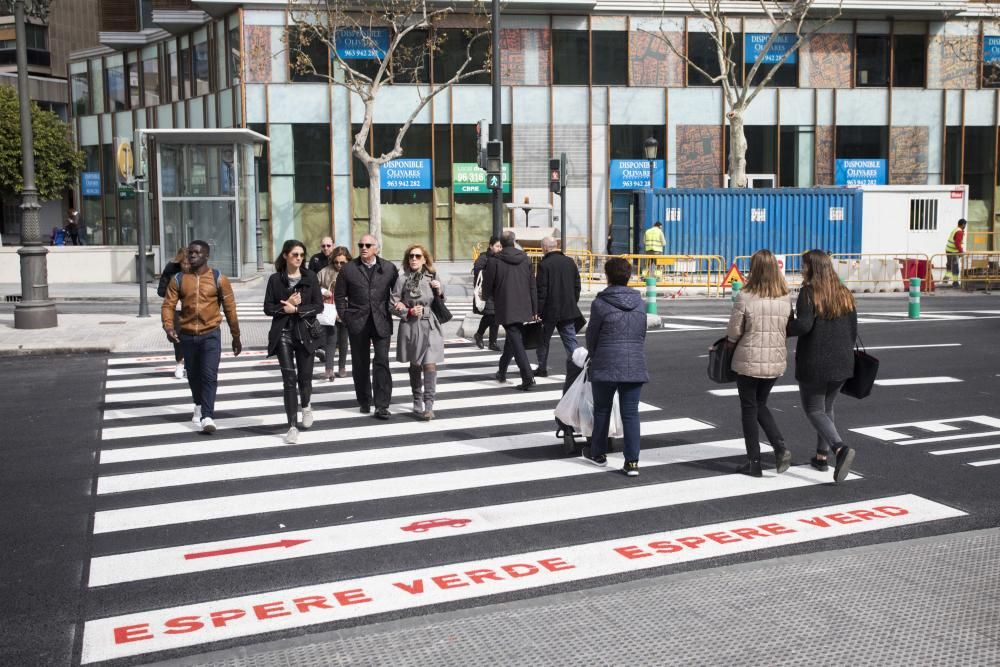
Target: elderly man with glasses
x=362, y=298
x=320, y=260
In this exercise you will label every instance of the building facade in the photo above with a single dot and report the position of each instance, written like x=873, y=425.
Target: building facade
x=907, y=98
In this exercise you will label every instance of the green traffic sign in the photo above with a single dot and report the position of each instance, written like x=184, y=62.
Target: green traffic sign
x=126, y=192
x=468, y=178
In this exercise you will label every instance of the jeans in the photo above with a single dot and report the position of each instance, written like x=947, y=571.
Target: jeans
x=513, y=346
x=567, y=332
x=628, y=401
x=296, y=362
x=817, y=401
x=335, y=340
x=201, y=361
x=362, y=371
x=753, y=408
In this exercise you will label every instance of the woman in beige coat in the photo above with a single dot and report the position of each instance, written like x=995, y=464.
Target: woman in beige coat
x=757, y=331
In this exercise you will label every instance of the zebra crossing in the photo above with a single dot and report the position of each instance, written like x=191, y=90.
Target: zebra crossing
x=209, y=541
x=253, y=311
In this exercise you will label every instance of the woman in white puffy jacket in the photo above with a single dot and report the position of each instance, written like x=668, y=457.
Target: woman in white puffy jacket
x=757, y=330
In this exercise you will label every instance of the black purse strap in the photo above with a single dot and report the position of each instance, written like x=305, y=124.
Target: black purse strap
x=859, y=344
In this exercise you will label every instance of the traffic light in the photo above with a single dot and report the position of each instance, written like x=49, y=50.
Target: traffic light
x=494, y=164
x=555, y=175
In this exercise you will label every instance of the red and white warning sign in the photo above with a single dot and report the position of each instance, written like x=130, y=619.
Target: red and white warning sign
x=218, y=620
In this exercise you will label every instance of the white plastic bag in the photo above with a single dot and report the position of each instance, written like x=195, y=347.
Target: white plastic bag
x=576, y=409
x=328, y=316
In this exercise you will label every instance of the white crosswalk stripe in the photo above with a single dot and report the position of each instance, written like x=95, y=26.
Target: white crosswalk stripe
x=253, y=311
x=190, y=530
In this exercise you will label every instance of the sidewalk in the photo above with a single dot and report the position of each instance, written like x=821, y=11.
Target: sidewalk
x=917, y=602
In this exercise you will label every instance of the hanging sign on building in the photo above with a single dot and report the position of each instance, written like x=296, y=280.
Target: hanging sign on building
x=991, y=49
x=90, y=183
x=861, y=171
x=468, y=178
x=756, y=41
x=406, y=174
x=634, y=174
x=362, y=43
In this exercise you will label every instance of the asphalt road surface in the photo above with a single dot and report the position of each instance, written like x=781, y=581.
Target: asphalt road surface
x=130, y=537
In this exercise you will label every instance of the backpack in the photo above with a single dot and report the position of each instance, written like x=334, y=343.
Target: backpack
x=215, y=274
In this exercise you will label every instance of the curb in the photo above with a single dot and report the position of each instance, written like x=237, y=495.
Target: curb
x=38, y=351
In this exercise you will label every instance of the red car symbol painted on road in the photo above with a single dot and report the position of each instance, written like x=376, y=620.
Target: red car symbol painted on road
x=424, y=526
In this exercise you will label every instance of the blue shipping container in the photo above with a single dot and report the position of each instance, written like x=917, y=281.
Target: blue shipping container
x=732, y=223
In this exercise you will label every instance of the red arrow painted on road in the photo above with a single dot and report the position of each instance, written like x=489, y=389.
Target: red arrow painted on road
x=251, y=547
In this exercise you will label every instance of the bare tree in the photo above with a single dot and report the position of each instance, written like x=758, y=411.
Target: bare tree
x=785, y=18
x=396, y=38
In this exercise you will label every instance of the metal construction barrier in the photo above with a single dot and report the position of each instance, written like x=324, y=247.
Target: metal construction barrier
x=978, y=270
x=792, y=262
x=697, y=272
x=881, y=272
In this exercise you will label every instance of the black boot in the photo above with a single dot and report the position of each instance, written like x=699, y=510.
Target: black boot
x=752, y=468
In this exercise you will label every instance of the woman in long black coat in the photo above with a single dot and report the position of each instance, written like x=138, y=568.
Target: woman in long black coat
x=488, y=315
x=293, y=299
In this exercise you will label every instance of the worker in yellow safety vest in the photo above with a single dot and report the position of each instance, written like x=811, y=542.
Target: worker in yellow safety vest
x=653, y=241
x=954, y=249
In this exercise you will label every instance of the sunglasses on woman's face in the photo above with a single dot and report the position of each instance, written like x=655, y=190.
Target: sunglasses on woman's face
x=296, y=254
x=415, y=255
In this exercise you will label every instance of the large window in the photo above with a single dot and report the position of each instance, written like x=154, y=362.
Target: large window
x=411, y=60
x=610, y=53
x=80, y=88
x=114, y=74
x=627, y=141
x=151, y=77
x=762, y=148
x=909, y=61
x=862, y=141
x=980, y=158
x=201, y=76
x=570, y=57
x=305, y=56
x=184, y=63
x=703, y=52
x=312, y=162
x=797, y=156
x=872, y=56
x=134, y=88
x=453, y=47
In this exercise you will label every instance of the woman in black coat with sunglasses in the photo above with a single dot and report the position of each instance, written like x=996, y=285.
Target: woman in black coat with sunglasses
x=293, y=299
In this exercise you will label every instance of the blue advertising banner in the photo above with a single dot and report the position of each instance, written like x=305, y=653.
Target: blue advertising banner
x=634, y=174
x=362, y=43
x=406, y=174
x=90, y=183
x=755, y=42
x=991, y=49
x=861, y=171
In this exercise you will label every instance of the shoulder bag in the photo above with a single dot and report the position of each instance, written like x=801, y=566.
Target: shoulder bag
x=439, y=308
x=860, y=384
x=720, y=362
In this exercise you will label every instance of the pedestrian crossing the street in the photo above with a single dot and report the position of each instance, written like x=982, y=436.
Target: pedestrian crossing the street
x=253, y=311
x=202, y=542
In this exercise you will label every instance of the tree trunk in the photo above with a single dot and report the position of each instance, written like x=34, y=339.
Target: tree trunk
x=737, y=150
x=375, y=200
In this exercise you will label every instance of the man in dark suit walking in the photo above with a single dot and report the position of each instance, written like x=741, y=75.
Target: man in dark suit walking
x=509, y=282
x=362, y=298
x=558, y=283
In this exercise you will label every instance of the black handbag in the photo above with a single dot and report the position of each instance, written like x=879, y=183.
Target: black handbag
x=720, y=362
x=440, y=310
x=532, y=335
x=865, y=371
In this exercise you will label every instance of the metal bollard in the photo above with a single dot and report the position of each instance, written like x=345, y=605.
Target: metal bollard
x=650, y=295
x=736, y=287
x=914, y=298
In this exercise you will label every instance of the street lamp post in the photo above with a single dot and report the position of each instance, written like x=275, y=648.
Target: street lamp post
x=35, y=311
x=496, y=127
x=649, y=148
x=258, y=151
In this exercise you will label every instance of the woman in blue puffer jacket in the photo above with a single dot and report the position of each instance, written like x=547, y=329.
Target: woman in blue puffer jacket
x=616, y=337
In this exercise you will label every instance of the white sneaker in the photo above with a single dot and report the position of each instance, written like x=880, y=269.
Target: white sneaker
x=207, y=425
x=196, y=415
x=179, y=371
x=292, y=436
x=307, y=417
